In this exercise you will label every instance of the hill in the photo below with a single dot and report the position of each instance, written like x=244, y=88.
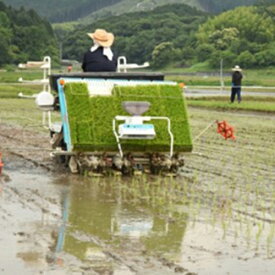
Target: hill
x=24, y=36
x=137, y=34
x=244, y=36
x=179, y=35
x=129, y=6
x=71, y=10
x=217, y=6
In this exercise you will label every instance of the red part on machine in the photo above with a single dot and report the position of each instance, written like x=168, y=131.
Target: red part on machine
x=225, y=129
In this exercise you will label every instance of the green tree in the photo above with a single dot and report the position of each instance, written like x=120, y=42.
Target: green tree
x=203, y=51
x=222, y=39
x=243, y=31
x=163, y=54
x=217, y=6
x=5, y=42
x=4, y=20
x=266, y=57
x=246, y=59
x=252, y=25
x=24, y=35
x=229, y=59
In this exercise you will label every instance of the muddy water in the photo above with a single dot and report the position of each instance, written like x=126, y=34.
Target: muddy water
x=30, y=211
x=52, y=224
x=217, y=218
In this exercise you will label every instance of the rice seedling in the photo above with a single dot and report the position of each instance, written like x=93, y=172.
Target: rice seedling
x=90, y=118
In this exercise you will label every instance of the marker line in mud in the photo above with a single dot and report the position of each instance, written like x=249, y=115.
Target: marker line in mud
x=26, y=149
x=36, y=163
x=79, y=235
x=16, y=137
x=254, y=216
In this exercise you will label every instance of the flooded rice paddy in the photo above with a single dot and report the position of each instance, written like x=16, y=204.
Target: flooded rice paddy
x=217, y=217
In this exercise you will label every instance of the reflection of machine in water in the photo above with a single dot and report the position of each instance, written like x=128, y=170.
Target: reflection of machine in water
x=102, y=217
x=130, y=224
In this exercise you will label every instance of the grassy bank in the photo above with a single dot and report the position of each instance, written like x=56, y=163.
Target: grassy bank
x=261, y=77
x=196, y=76
x=19, y=112
x=12, y=90
x=261, y=104
x=13, y=76
x=10, y=87
x=23, y=112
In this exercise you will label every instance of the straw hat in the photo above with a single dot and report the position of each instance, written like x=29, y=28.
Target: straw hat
x=237, y=68
x=103, y=38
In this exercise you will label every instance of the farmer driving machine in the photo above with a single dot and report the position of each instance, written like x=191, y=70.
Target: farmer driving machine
x=118, y=122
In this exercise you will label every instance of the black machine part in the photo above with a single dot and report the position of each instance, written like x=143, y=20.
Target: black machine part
x=106, y=75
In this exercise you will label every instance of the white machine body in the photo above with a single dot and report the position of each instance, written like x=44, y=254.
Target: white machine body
x=133, y=128
x=45, y=101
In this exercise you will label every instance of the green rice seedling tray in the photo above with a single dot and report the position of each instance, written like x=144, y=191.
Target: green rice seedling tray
x=90, y=118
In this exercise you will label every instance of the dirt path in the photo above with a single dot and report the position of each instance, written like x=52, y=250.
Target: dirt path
x=219, y=218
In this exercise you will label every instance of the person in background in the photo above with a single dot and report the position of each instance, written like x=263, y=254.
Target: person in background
x=236, y=84
x=100, y=58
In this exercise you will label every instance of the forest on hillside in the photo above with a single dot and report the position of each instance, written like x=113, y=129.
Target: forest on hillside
x=245, y=35
x=62, y=10
x=176, y=35
x=217, y=6
x=70, y=10
x=182, y=36
x=137, y=34
x=24, y=36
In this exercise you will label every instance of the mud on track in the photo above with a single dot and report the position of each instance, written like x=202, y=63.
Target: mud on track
x=217, y=218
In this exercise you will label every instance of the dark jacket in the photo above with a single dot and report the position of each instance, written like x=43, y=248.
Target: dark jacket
x=97, y=62
x=237, y=78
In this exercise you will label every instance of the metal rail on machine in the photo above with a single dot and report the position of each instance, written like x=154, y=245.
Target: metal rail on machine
x=145, y=118
x=44, y=99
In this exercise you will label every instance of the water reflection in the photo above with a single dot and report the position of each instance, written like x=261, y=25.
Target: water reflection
x=104, y=218
x=109, y=223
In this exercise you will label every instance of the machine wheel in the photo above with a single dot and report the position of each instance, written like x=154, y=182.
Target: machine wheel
x=73, y=165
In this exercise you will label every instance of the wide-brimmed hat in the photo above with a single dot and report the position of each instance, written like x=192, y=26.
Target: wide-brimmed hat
x=237, y=68
x=103, y=38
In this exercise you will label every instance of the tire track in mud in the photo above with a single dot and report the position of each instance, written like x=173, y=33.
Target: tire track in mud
x=27, y=198
x=36, y=163
x=133, y=263
x=29, y=148
x=29, y=217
